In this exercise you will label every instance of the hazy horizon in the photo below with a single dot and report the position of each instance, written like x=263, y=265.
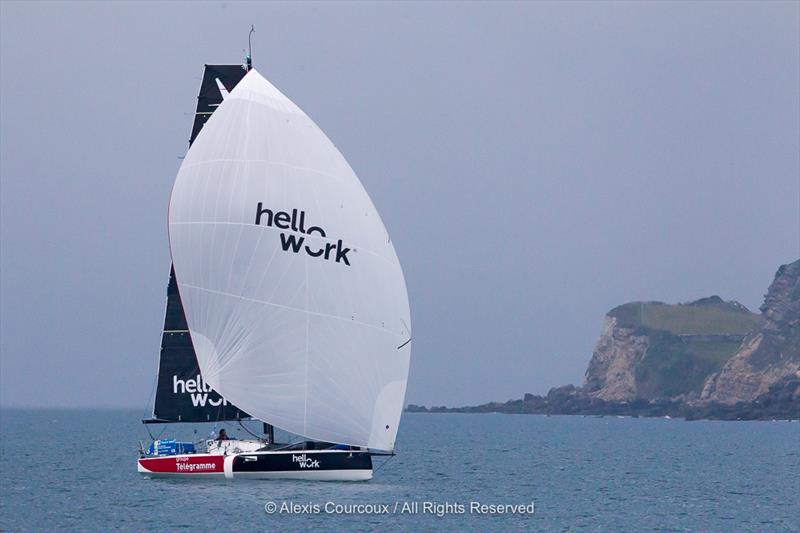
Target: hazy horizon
x=536, y=165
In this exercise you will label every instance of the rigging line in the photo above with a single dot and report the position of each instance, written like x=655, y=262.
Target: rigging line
x=221, y=409
x=163, y=429
x=375, y=471
x=151, y=395
x=247, y=430
x=408, y=329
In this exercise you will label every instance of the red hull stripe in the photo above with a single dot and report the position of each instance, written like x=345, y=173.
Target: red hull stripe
x=185, y=465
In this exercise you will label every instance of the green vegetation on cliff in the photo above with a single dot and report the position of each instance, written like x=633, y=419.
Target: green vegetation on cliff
x=707, y=316
x=676, y=365
x=685, y=344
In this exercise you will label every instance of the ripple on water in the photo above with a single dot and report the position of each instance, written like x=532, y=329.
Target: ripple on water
x=583, y=474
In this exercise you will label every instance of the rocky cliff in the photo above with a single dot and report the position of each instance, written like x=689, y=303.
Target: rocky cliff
x=611, y=374
x=770, y=354
x=655, y=350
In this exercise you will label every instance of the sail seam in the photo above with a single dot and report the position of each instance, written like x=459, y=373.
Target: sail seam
x=267, y=161
x=290, y=308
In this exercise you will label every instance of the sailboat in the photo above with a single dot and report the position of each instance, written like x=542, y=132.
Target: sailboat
x=286, y=301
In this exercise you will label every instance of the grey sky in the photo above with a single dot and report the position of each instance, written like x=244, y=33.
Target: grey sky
x=536, y=164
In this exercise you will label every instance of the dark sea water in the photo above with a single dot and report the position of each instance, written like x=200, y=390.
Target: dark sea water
x=76, y=470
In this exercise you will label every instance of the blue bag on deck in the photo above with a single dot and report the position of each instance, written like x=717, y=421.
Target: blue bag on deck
x=170, y=447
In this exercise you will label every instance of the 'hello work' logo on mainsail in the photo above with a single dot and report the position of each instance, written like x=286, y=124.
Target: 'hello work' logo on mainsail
x=296, y=222
x=200, y=391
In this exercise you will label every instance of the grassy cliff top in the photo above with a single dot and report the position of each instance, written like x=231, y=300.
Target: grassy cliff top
x=707, y=316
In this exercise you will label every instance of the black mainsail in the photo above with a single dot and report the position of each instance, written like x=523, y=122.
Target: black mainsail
x=218, y=80
x=181, y=394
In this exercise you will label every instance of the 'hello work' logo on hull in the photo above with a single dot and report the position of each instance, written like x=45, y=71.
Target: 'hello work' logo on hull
x=296, y=221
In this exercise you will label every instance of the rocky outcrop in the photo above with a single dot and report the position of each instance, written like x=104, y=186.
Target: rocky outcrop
x=651, y=350
x=704, y=359
x=612, y=370
x=781, y=402
x=770, y=354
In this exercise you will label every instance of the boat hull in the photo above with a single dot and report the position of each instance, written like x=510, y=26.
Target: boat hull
x=321, y=465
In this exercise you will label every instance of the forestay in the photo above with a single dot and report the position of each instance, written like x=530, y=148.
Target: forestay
x=294, y=296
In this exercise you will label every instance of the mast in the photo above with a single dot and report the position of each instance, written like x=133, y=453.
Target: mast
x=269, y=431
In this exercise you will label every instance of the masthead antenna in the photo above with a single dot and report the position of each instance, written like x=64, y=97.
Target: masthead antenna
x=249, y=57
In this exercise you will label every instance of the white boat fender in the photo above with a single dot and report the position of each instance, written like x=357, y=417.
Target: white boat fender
x=227, y=466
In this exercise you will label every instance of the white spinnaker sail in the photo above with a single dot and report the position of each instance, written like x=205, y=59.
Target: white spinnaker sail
x=293, y=293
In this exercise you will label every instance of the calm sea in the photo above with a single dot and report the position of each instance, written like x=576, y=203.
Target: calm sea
x=76, y=470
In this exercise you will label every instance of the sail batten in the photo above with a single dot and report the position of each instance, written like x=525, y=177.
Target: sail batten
x=293, y=293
